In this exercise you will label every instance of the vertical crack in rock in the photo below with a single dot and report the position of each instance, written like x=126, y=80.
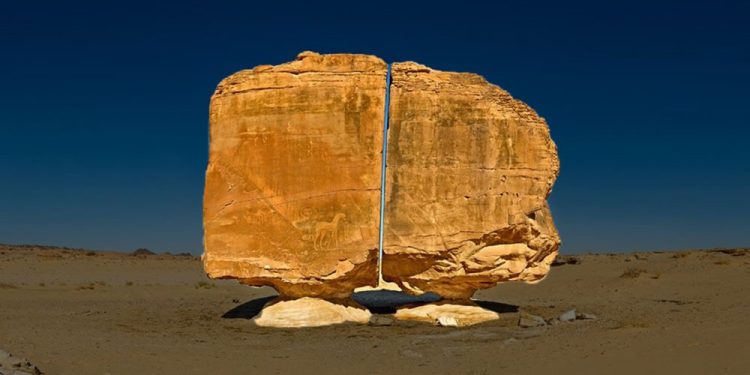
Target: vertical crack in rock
x=324, y=177
x=383, y=166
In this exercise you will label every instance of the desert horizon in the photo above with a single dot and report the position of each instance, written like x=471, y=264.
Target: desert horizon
x=68, y=311
x=563, y=254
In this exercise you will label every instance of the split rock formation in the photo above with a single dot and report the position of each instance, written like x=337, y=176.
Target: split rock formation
x=293, y=181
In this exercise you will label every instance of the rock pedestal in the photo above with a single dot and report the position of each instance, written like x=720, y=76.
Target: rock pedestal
x=293, y=182
x=448, y=314
x=311, y=312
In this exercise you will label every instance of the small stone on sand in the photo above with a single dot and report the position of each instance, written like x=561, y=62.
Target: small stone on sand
x=527, y=320
x=568, y=316
x=446, y=321
x=381, y=320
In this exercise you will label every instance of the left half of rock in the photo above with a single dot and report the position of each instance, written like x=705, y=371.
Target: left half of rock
x=293, y=180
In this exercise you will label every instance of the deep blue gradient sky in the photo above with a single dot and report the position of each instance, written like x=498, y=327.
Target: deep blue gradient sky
x=103, y=107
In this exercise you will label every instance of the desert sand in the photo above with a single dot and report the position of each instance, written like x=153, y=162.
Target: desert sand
x=74, y=311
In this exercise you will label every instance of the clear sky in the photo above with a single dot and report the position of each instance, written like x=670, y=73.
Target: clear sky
x=103, y=107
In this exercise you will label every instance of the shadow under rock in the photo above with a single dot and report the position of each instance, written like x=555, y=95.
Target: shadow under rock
x=387, y=301
x=377, y=301
x=497, y=307
x=249, y=309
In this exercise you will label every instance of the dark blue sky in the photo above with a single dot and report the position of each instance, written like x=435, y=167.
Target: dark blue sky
x=103, y=107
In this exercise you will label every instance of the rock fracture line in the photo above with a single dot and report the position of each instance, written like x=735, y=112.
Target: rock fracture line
x=382, y=173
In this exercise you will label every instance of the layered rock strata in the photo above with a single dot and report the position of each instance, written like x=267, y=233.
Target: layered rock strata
x=310, y=312
x=293, y=181
x=469, y=172
x=447, y=314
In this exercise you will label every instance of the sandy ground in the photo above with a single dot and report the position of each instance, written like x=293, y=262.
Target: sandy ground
x=79, y=312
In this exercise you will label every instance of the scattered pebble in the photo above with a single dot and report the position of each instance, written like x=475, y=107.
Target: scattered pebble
x=527, y=320
x=380, y=320
x=632, y=273
x=568, y=316
x=446, y=321
x=410, y=353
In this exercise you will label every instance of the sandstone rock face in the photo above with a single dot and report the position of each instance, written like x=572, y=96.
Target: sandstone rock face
x=310, y=312
x=447, y=314
x=469, y=172
x=293, y=182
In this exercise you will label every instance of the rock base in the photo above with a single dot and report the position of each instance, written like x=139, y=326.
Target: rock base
x=310, y=312
x=448, y=313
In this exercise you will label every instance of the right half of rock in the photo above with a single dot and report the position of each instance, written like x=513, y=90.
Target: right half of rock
x=469, y=171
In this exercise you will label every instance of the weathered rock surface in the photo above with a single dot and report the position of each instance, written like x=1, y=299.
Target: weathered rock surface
x=310, y=312
x=293, y=182
x=469, y=171
x=447, y=314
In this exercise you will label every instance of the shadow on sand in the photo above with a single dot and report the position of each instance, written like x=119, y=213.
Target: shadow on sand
x=249, y=309
x=497, y=307
x=377, y=301
x=387, y=302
